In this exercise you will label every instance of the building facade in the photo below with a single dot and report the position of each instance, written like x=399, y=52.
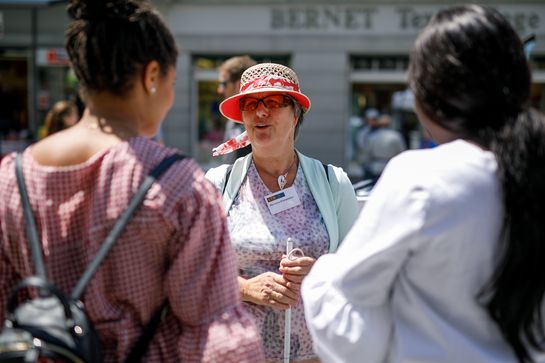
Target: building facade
x=349, y=55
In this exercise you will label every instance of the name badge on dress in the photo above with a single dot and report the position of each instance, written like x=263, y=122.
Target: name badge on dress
x=282, y=200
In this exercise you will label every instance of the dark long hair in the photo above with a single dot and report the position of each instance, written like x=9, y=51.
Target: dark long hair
x=109, y=41
x=469, y=74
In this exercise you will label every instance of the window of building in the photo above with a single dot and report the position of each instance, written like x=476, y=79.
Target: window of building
x=380, y=83
x=14, y=114
x=56, y=82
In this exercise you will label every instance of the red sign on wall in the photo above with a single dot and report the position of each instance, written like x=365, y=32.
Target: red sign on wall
x=57, y=57
x=52, y=57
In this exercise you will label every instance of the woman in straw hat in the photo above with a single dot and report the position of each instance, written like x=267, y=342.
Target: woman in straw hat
x=460, y=277
x=275, y=194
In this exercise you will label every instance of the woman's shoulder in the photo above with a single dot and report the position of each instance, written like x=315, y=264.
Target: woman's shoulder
x=217, y=171
x=338, y=171
x=333, y=172
x=131, y=161
x=217, y=174
x=456, y=158
x=449, y=173
x=7, y=170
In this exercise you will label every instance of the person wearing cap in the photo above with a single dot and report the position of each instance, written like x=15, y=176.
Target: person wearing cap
x=276, y=193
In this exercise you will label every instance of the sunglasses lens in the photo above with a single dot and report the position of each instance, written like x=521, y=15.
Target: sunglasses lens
x=270, y=102
x=274, y=101
x=248, y=104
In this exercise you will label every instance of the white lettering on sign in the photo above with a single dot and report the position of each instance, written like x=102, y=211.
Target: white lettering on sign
x=383, y=19
x=411, y=19
x=324, y=18
x=331, y=18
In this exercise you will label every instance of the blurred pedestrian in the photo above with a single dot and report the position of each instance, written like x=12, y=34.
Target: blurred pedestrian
x=175, y=248
x=62, y=115
x=445, y=263
x=379, y=145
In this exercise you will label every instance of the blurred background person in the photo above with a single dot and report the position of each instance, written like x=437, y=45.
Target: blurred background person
x=361, y=137
x=62, y=115
x=379, y=144
x=229, y=73
x=276, y=193
x=445, y=263
x=81, y=179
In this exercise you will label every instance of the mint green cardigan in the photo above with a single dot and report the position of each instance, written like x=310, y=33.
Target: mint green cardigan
x=335, y=199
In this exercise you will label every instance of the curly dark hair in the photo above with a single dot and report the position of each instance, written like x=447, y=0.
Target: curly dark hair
x=109, y=41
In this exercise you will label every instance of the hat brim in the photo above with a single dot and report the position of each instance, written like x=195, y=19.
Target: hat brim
x=230, y=108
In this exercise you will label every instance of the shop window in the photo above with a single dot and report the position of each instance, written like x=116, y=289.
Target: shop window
x=14, y=114
x=388, y=99
x=537, y=96
x=380, y=63
x=56, y=82
x=379, y=83
x=537, y=62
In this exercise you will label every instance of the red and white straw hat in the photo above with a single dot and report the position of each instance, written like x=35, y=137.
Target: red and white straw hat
x=264, y=77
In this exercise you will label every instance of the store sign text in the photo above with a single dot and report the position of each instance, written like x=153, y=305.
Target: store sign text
x=354, y=18
x=350, y=18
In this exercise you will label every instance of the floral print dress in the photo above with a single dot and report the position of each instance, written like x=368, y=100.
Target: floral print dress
x=259, y=239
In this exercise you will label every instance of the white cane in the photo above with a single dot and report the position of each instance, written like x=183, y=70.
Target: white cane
x=292, y=254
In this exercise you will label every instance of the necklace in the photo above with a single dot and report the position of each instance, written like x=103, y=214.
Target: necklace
x=281, y=180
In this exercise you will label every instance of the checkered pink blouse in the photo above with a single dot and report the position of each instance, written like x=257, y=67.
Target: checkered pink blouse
x=176, y=246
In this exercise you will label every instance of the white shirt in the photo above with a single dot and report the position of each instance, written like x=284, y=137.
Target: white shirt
x=403, y=285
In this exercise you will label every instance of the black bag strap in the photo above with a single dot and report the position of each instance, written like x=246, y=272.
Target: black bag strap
x=141, y=345
x=326, y=169
x=30, y=223
x=227, y=175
